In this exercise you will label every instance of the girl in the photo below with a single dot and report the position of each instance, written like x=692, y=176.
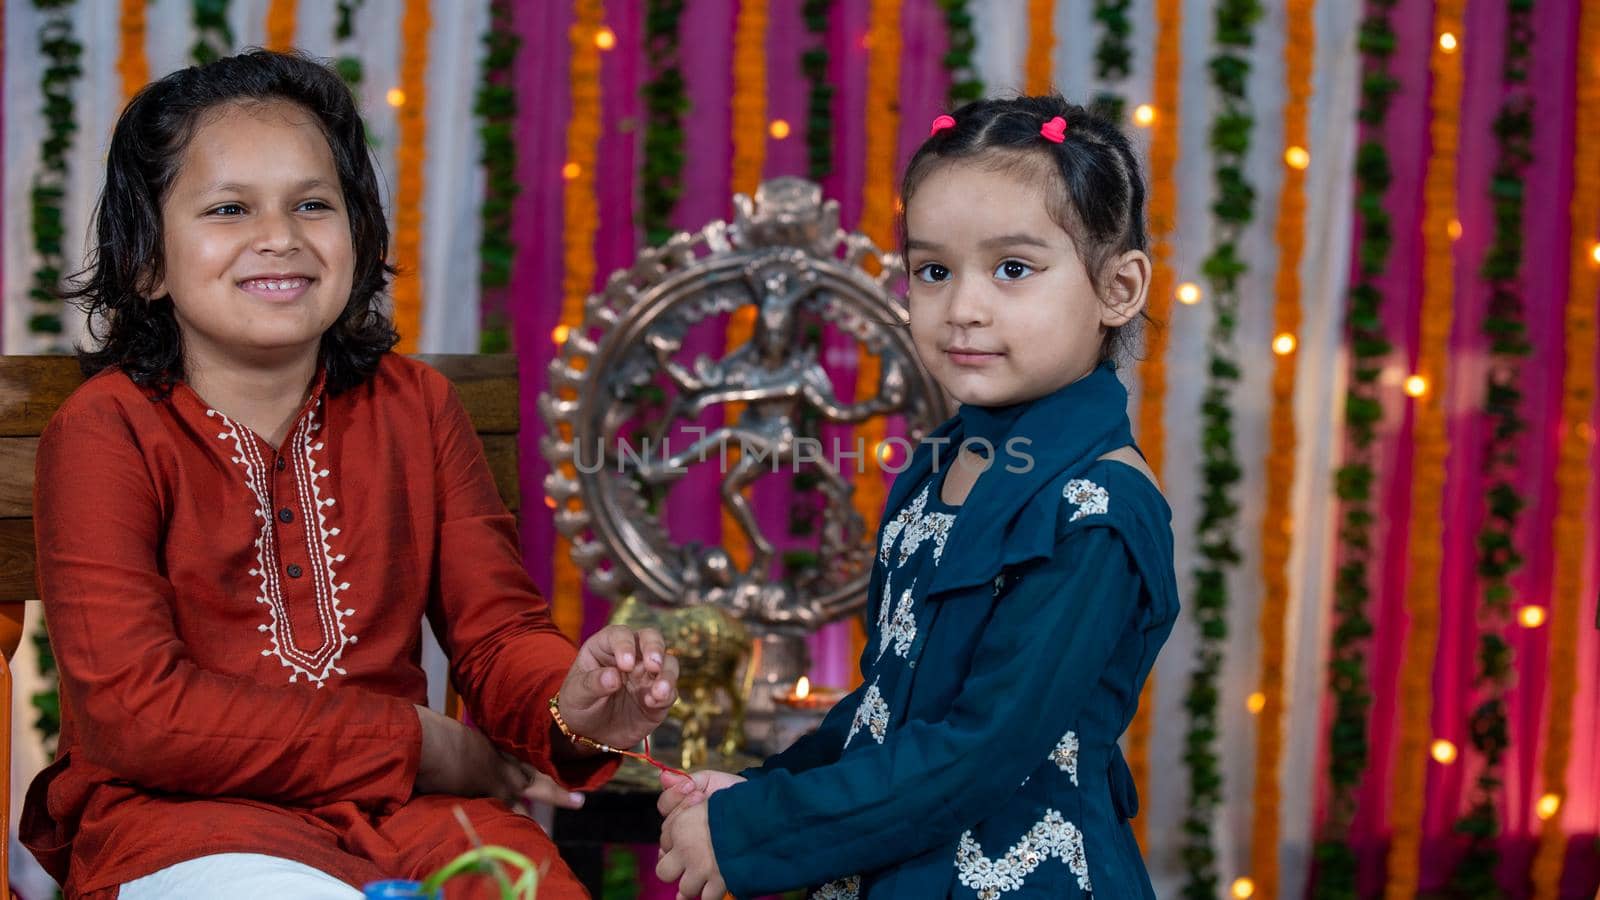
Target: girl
x=1024, y=579
x=244, y=514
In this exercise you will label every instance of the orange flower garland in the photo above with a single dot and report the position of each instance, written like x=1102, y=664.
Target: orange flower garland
x=1574, y=469
x=877, y=222
x=1431, y=447
x=1153, y=368
x=409, y=152
x=581, y=218
x=749, y=123
x=280, y=25
x=1041, y=46
x=133, y=63
x=1276, y=531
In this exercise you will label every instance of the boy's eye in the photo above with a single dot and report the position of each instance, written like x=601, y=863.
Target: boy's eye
x=932, y=273
x=1011, y=270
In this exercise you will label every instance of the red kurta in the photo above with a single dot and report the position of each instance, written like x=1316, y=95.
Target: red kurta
x=237, y=630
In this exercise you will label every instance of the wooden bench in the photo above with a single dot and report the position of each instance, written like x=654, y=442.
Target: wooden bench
x=33, y=387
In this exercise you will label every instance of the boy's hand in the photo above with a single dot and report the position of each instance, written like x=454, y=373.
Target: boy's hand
x=687, y=857
x=620, y=687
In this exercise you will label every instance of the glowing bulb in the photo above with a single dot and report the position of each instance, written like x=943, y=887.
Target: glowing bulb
x=1548, y=805
x=1243, y=888
x=550, y=502
x=1283, y=344
x=1447, y=42
x=1297, y=157
x=559, y=333
x=1144, y=115
x=779, y=129
x=605, y=38
x=1416, y=386
x=802, y=688
x=396, y=97
x=1443, y=752
x=883, y=451
x=1256, y=703
x=1454, y=229
x=1531, y=616
x=570, y=171
x=1189, y=293
x=1594, y=251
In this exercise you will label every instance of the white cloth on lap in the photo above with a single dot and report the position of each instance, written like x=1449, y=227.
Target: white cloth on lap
x=227, y=876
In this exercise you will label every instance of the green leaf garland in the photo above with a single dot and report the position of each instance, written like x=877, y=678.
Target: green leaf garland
x=1113, y=57
x=1232, y=212
x=213, y=37
x=61, y=52
x=666, y=100
x=1498, y=557
x=965, y=85
x=496, y=108
x=819, y=105
x=1348, y=753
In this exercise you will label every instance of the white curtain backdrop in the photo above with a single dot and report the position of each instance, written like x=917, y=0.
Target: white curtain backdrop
x=453, y=182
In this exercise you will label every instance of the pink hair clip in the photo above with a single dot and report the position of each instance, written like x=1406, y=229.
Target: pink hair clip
x=1055, y=130
x=940, y=124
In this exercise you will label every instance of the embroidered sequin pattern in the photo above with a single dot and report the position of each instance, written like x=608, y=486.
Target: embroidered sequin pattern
x=1090, y=498
x=843, y=889
x=1065, y=756
x=913, y=526
x=1052, y=836
x=902, y=629
x=872, y=714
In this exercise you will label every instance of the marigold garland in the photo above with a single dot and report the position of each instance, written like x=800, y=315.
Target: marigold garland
x=409, y=152
x=877, y=223
x=133, y=62
x=280, y=25
x=1574, y=468
x=1276, y=524
x=1431, y=449
x=1153, y=367
x=1474, y=875
x=749, y=123
x=1041, y=46
x=581, y=221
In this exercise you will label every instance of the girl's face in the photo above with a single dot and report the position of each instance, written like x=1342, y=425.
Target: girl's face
x=258, y=258
x=1002, y=308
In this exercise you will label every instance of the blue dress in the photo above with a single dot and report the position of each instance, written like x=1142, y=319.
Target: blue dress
x=1010, y=638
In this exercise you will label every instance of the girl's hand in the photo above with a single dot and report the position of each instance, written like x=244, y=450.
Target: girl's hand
x=687, y=857
x=620, y=687
x=678, y=791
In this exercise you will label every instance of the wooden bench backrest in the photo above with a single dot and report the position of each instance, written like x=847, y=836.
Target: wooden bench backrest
x=33, y=387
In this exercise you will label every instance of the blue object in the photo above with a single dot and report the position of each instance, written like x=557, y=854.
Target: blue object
x=397, y=889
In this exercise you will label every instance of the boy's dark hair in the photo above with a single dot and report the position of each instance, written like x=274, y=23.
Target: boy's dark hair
x=1094, y=186
x=140, y=335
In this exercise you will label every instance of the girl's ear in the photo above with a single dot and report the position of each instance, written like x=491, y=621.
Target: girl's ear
x=1127, y=290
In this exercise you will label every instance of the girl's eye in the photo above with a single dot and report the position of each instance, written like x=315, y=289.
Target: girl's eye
x=932, y=273
x=1011, y=270
x=228, y=209
x=315, y=206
